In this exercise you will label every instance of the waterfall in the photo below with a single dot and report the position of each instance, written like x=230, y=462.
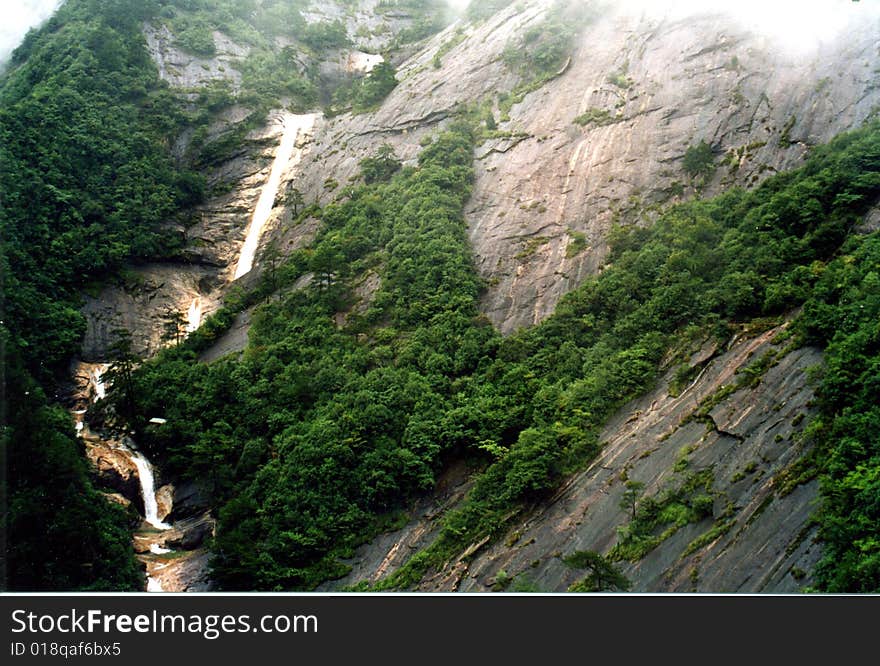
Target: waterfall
x=294, y=125
x=148, y=490
x=194, y=315
x=95, y=390
x=97, y=380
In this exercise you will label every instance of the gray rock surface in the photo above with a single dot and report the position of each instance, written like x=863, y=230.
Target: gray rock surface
x=205, y=269
x=702, y=79
x=538, y=187
x=185, y=70
x=767, y=542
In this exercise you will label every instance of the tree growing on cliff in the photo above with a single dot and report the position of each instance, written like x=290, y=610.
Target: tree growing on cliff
x=173, y=326
x=603, y=575
x=632, y=494
x=699, y=161
x=381, y=166
x=295, y=200
x=119, y=377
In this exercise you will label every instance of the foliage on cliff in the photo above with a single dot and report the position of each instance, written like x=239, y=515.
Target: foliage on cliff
x=331, y=421
x=87, y=180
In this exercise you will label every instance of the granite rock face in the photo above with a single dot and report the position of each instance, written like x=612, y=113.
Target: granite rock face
x=547, y=189
x=665, y=85
x=758, y=538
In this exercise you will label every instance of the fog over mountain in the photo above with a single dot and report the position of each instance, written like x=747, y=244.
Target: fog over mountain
x=19, y=16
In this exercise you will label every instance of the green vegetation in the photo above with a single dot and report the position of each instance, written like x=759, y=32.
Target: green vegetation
x=603, y=574
x=620, y=79
x=577, y=243
x=542, y=51
x=597, y=117
x=381, y=167
x=366, y=94
x=742, y=255
x=320, y=435
x=430, y=18
x=843, y=312
x=447, y=46
x=699, y=161
x=715, y=532
x=87, y=182
x=478, y=11
x=655, y=519
x=326, y=434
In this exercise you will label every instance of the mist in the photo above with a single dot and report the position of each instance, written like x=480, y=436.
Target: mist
x=19, y=16
x=793, y=24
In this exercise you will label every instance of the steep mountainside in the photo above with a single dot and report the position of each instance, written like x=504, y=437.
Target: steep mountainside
x=757, y=537
x=547, y=189
x=549, y=295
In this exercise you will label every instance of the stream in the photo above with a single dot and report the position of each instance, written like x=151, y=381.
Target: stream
x=288, y=155
x=151, y=534
x=173, y=554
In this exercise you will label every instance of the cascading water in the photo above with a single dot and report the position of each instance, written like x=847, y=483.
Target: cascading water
x=97, y=374
x=148, y=490
x=294, y=126
x=151, y=512
x=98, y=391
x=194, y=315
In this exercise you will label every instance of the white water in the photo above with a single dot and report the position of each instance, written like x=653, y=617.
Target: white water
x=194, y=315
x=148, y=490
x=363, y=63
x=98, y=382
x=294, y=127
x=98, y=391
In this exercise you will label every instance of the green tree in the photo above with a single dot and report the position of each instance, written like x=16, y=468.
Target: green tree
x=295, y=200
x=119, y=378
x=272, y=259
x=173, y=325
x=381, y=166
x=375, y=87
x=603, y=575
x=699, y=160
x=631, y=495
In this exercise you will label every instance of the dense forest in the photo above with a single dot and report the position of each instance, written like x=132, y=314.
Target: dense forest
x=87, y=181
x=343, y=409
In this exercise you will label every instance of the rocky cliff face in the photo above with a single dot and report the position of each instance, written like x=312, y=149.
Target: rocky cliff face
x=548, y=189
x=757, y=536
x=657, y=86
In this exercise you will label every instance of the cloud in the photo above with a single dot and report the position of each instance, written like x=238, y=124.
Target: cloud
x=18, y=17
x=798, y=25
x=459, y=5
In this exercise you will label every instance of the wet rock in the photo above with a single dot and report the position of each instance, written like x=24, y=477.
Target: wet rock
x=191, y=533
x=189, y=499
x=118, y=498
x=112, y=468
x=165, y=500
x=184, y=572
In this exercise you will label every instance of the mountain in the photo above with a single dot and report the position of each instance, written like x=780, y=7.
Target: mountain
x=542, y=296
